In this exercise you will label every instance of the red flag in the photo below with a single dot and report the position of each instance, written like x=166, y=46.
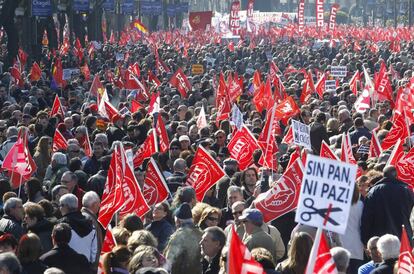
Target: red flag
x=287, y=109
x=234, y=89
x=320, y=85
x=97, y=89
x=57, y=72
x=353, y=83
x=59, y=141
x=204, y=173
x=155, y=188
x=135, y=106
x=145, y=150
x=134, y=68
x=375, y=148
x=323, y=261
x=406, y=259
x=326, y=152
x=399, y=130
x=308, y=88
x=257, y=82
x=288, y=138
x=397, y=153
x=110, y=110
x=295, y=155
x=134, y=201
x=107, y=246
x=363, y=102
x=153, y=79
x=239, y=258
x=346, y=149
x=241, y=147
x=86, y=72
x=154, y=105
x=383, y=85
x=19, y=161
x=86, y=145
x=162, y=135
x=132, y=82
x=283, y=196
x=199, y=20
x=57, y=108
x=17, y=76
x=180, y=81
x=404, y=166
x=263, y=98
x=35, y=72
x=22, y=57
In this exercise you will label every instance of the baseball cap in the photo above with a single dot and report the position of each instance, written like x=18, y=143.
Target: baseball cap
x=253, y=215
x=184, y=138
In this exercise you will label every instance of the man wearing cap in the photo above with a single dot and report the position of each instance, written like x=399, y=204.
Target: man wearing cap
x=254, y=235
x=183, y=250
x=185, y=142
x=115, y=132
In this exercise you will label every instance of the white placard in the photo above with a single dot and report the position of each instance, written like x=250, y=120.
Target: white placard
x=327, y=186
x=130, y=157
x=70, y=73
x=119, y=56
x=301, y=134
x=339, y=71
x=330, y=85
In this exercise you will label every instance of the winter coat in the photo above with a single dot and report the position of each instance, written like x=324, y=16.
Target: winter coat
x=162, y=230
x=8, y=224
x=43, y=229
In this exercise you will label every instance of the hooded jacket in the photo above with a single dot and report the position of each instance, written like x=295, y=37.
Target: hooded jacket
x=84, y=239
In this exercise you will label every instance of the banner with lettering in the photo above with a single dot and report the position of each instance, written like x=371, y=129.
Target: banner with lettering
x=151, y=8
x=235, y=18
x=109, y=5
x=81, y=5
x=42, y=8
x=127, y=7
x=301, y=16
x=332, y=17
x=319, y=13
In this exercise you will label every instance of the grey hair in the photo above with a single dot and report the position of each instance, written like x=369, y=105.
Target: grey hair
x=73, y=176
x=10, y=263
x=179, y=164
x=56, y=189
x=12, y=131
x=233, y=189
x=101, y=137
x=372, y=242
x=69, y=200
x=217, y=234
x=53, y=270
x=238, y=203
x=389, y=246
x=90, y=198
x=11, y=203
x=341, y=257
x=82, y=129
x=60, y=158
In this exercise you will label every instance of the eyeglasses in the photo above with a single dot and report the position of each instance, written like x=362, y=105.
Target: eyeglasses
x=213, y=219
x=237, y=213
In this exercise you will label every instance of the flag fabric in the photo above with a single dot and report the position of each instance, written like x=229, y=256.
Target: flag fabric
x=135, y=106
x=287, y=109
x=346, y=149
x=201, y=119
x=97, y=89
x=234, y=89
x=239, y=258
x=18, y=161
x=59, y=141
x=326, y=152
x=397, y=153
x=263, y=98
x=236, y=117
x=241, y=147
x=383, y=85
x=375, y=148
x=108, y=244
x=145, y=150
x=320, y=86
x=162, y=134
x=204, y=173
x=399, y=130
x=153, y=79
x=57, y=108
x=283, y=197
x=57, y=72
x=404, y=166
x=180, y=81
x=154, y=105
x=405, y=259
x=16, y=76
x=353, y=83
x=138, y=25
x=288, y=138
x=363, y=102
x=155, y=188
x=320, y=260
x=86, y=146
x=133, y=83
x=35, y=72
x=110, y=110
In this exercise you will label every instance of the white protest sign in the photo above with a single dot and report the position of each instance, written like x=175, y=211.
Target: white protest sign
x=330, y=85
x=119, y=56
x=326, y=194
x=301, y=134
x=70, y=73
x=339, y=71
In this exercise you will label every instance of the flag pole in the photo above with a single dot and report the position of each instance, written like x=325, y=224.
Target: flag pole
x=314, y=251
x=20, y=186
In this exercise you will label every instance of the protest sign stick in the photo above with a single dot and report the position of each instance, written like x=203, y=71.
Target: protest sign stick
x=20, y=186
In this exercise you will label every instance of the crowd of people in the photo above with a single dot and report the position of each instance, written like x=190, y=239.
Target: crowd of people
x=50, y=224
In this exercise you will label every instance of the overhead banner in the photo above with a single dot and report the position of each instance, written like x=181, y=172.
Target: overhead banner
x=151, y=8
x=199, y=20
x=171, y=10
x=235, y=18
x=326, y=194
x=301, y=16
x=250, y=5
x=42, y=8
x=182, y=7
x=332, y=17
x=81, y=5
x=109, y=5
x=127, y=7
x=319, y=13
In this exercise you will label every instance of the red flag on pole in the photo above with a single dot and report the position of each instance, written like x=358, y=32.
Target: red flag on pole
x=145, y=150
x=320, y=85
x=241, y=147
x=97, y=89
x=399, y=130
x=263, y=99
x=283, y=196
x=326, y=152
x=107, y=246
x=239, y=258
x=375, y=148
x=135, y=106
x=405, y=260
x=286, y=109
x=35, y=72
x=204, y=173
x=353, y=83
x=57, y=108
x=288, y=138
x=180, y=81
x=155, y=188
x=383, y=85
x=162, y=134
x=404, y=166
x=19, y=161
x=59, y=141
x=346, y=149
x=321, y=260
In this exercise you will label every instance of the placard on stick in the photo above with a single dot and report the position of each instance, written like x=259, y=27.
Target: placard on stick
x=339, y=71
x=326, y=194
x=301, y=134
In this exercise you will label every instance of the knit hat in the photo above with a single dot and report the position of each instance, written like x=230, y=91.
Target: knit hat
x=184, y=212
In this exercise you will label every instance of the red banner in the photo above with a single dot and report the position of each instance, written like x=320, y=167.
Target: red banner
x=319, y=13
x=200, y=20
x=204, y=173
x=242, y=146
x=250, y=5
x=301, y=16
x=283, y=196
x=59, y=142
x=332, y=17
x=180, y=81
x=155, y=188
x=235, y=18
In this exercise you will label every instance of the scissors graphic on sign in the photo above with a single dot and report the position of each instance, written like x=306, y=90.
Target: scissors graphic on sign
x=307, y=215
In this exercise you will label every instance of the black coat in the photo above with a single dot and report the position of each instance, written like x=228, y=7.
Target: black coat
x=66, y=259
x=317, y=135
x=387, y=207
x=9, y=224
x=212, y=267
x=36, y=267
x=162, y=230
x=43, y=229
x=386, y=267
